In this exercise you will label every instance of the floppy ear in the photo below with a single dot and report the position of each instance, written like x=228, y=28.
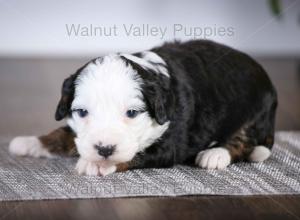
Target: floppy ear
x=67, y=96
x=160, y=110
x=156, y=91
x=156, y=100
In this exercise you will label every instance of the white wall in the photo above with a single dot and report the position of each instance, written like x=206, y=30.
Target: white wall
x=38, y=28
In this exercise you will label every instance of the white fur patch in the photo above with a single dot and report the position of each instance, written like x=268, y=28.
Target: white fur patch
x=259, y=154
x=150, y=60
x=28, y=146
x=215, y=158
x=93, y=168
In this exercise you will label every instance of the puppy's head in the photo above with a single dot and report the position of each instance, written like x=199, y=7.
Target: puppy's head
x=116, y=105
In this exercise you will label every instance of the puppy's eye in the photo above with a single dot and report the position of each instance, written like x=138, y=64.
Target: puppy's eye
x=131, y=113
x=81, y=112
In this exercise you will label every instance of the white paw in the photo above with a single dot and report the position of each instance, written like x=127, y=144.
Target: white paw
x=28, y=146
x=90, y=168
x=259, y=154
x=107, y=170
x=215, y=158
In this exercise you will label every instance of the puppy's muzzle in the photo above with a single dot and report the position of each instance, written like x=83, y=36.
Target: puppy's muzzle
x=105, y=151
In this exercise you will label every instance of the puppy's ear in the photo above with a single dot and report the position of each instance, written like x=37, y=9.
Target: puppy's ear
x=157, y=101
x=160, y=110
x=67, y=96
x=155, y=89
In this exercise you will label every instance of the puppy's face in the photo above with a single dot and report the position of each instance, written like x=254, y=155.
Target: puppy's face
x=109, y=111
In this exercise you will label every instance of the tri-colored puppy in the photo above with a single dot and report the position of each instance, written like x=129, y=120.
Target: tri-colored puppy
x=198, y=103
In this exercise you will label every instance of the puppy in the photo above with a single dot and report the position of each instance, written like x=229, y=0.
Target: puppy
x=195, y=103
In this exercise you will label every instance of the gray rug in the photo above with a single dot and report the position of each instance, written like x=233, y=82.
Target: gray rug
x=34, y=179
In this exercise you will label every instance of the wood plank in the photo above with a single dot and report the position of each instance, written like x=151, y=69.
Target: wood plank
x=188, y=207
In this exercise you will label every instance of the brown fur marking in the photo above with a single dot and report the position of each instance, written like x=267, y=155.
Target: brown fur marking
x=60, y=141
x=240, y=145
x=122, y=167
x=133, y=164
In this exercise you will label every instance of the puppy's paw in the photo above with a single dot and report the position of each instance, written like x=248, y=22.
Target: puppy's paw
x=259, y=154
x=84, y=167
x=107, y=170
x=215, y=158
x=28, y=146
x=90, y=168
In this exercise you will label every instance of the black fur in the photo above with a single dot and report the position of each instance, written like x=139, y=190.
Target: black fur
x=212, y=94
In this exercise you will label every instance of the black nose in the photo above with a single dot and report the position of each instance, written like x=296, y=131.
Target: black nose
x=105, y=151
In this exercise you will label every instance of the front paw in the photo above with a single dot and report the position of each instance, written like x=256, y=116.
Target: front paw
x=91, y=168
x=107, y=170
x=215, y=158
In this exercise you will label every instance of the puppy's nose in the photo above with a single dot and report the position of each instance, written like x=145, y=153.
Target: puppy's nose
x=105, y=151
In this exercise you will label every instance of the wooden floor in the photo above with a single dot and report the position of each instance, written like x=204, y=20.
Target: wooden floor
x=29, y=90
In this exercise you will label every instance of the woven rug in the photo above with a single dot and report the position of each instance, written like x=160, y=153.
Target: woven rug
x=36, y=179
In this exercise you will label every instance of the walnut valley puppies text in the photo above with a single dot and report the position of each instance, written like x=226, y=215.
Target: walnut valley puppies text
x=148, y=30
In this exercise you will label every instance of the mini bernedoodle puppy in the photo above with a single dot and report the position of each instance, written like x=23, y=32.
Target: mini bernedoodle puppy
x=195, y=103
